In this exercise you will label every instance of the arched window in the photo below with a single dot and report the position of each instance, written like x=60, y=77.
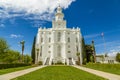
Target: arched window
x=76, y=40
x=77, y=48
x=59, y=36
x=41, y=40
x=49, y=39
x=68, y=39
x=59, y=51
x=41, y=51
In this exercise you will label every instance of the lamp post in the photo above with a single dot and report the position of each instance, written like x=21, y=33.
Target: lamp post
x=22, y=43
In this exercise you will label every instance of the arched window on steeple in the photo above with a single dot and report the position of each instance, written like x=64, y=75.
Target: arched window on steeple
x=59, y=36
x=49, y=40
x=41, y=39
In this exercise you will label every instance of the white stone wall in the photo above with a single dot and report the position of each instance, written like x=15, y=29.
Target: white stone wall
x=66, y=49
x=49, y=49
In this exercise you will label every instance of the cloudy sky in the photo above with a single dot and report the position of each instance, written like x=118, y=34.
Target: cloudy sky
x=20, y=19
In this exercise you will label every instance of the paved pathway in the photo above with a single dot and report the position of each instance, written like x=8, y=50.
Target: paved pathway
x=106, y=75
x=12, y=75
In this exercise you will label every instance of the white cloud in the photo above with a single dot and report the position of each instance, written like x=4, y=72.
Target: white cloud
x=31, y=9
x=91, y=36
x=38, y=23
x=2, y=25
x=112, y=48
x=15, y=36
x=113, y=53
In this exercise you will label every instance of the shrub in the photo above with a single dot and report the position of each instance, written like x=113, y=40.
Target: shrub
x=59, y=63
x=5, y=66
x=84, y=61
x=40, y=63
x=77, y=62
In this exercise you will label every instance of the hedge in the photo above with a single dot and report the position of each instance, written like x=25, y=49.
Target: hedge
x=5, y=66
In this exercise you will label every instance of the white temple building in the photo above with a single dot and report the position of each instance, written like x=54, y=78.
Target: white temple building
x=58, y=44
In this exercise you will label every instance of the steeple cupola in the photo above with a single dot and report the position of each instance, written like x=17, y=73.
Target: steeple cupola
x=59, y=15
x=59, y=21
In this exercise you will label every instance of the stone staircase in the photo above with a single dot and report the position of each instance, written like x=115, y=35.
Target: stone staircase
x=70, y=62
x=47, y=61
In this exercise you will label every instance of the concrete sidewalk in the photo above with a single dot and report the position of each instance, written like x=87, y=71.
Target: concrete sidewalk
x=106, y=75
x=12, y=75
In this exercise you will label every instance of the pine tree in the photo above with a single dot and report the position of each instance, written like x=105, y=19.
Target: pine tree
x=33, y=50
x=83, y=51
x=94, y=53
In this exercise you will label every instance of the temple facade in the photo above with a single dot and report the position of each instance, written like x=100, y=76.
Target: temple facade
x=58, y=44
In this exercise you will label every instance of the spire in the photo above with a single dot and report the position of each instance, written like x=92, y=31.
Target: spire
x=59, y=9
x=59, y=15
x=59, y=21
x=59, y=3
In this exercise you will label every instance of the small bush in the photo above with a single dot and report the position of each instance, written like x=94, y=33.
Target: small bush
x=5, y=66
x=77, y=62
x=84, y=61
x=59, y=63
x=40, y=63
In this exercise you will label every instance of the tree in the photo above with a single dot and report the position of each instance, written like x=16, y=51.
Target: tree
x=22, y=43
x=118, y=57
x=93, y=52
x=83, y=51
x=91, y=58
x=78, y=55
x=27, y=59
x=89, y=52
x=106, y=55
x=3, y=46
x=33, y=50
x=11, y=56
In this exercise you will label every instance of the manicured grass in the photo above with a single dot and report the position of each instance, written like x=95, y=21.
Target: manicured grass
x=4, y=71
x=111, y=68
x=59, y=73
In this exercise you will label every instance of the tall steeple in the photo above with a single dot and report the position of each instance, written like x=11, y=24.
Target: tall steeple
x=59, y=21
x=59, y=15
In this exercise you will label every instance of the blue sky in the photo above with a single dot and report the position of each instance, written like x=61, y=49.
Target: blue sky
x=19, y=21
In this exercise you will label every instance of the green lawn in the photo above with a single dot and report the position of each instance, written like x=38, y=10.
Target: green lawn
x=4, y=71
x=59, y=73
x=111, y=68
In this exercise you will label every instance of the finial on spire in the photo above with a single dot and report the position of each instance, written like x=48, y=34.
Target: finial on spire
x=59, y=3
